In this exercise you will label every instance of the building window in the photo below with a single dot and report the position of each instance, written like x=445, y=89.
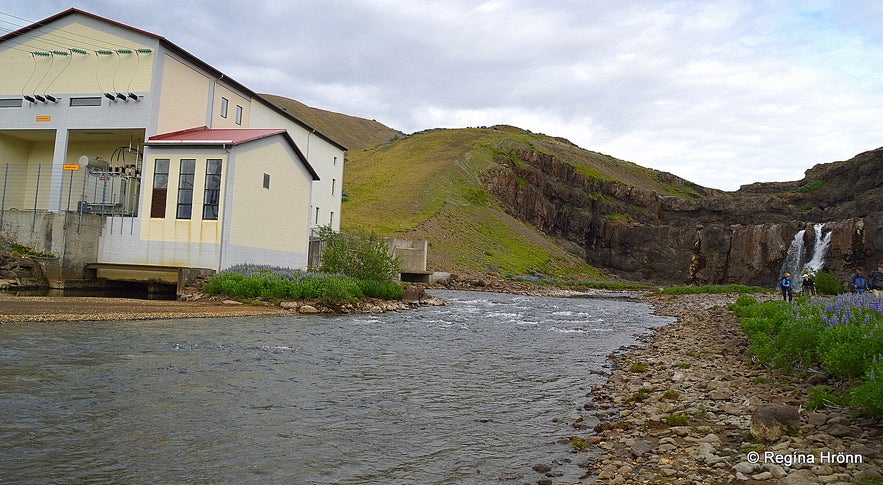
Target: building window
x=224, y=103
x=238, y=114
x=331, y=219
x=160, y=188
x=185, y=188
x=333, y=183
x=10, y=103
x=335, y=161
x=266, y=181
x=317, y=216
x=89, y=101
x=212, y=197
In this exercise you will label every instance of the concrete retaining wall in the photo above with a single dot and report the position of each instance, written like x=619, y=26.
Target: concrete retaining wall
x=71, y=238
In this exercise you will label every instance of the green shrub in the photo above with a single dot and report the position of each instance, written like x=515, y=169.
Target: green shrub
x=366, y=256
x=869, y=396
x=827, y=284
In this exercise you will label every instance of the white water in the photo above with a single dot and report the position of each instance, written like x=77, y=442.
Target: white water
x=800, y=259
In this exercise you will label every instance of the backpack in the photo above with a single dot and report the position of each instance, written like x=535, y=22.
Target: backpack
x=860, y=282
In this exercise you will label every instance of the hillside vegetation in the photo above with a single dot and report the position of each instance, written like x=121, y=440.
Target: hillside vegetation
x=505, y=201
x=350, y=131
x=433, y=185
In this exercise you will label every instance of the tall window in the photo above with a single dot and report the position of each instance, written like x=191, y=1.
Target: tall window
x=224, y=103
x=212, y=190
x=238, y=114
x=160, y=188
x=185, y=188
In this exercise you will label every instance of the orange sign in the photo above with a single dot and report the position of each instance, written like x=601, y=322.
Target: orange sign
x=73, y=167
x=44, y=119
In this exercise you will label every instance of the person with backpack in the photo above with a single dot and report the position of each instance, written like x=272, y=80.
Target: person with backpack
x=875, y=281
x=809, y=286
x=857, y=282
x=787, y=287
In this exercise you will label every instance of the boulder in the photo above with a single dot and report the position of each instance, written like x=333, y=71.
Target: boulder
x=770, y=421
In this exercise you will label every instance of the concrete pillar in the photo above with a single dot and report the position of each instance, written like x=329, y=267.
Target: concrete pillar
x=56, y=177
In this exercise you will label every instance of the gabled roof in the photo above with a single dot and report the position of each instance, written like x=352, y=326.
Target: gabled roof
x=204, y=136
x=172, y=47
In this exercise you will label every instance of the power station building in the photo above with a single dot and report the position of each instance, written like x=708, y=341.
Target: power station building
x=174, y=163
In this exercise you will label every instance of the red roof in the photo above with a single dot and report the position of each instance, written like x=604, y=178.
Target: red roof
x=226, y=136
x=213, y=136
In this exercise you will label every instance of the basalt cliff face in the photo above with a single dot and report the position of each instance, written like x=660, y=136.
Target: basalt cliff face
x=706, y=236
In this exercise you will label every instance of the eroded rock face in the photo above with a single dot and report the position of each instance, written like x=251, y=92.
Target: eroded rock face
x=18, y=272
x=715, y=237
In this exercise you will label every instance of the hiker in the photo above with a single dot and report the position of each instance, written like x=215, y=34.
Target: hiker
x=809, y=286
x=857, y=282
x=787, y=291
x=875, y=281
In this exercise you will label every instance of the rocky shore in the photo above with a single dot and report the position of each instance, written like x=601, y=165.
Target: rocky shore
x=686, y=408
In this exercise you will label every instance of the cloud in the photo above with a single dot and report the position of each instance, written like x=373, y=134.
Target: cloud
x=721, y=93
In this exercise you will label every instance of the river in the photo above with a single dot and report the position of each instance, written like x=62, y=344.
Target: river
x=477, y=391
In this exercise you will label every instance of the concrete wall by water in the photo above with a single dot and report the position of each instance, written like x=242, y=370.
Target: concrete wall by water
x=71, y=238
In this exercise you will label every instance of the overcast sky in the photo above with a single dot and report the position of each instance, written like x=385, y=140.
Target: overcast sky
x=722, y=93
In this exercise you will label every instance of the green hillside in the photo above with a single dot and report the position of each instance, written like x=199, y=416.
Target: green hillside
x=428, y=185
x=350, y=131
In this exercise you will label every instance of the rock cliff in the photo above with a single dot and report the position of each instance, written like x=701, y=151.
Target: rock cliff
x=699, y=236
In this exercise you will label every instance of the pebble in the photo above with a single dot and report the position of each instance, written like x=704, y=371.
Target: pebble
x=703, y=436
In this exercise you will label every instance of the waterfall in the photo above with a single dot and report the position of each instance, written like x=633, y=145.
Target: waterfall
x=820, y=248
x=801, y=259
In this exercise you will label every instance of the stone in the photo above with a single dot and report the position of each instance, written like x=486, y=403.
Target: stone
x=308, y=310
x=640, y=448
x=231, y=302
x=762, y=476
x=542, y=468
x=799, y=477
x=745, y=467
x=288, y=305
x=776, y=470
x=770, y=421
x=817, y=419
x=840, y=431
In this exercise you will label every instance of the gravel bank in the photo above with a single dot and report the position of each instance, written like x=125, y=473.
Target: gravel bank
x=679, y=410
x=70, y=309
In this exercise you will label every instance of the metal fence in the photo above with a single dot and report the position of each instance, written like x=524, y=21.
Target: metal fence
x=110, y=191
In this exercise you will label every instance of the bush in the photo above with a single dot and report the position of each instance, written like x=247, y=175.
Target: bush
x=365, y=257
x=827, y=283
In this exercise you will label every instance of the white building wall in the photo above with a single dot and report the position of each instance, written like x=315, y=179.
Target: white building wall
x=325, y=158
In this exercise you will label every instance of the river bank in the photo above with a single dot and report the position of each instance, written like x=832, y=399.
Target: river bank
x=678, y=409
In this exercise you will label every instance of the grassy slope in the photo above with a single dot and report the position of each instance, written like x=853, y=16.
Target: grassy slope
x=350, y=131
x=427, y=185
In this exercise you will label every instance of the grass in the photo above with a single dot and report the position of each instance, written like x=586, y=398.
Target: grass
x=276, y=284
x=638, y=367
x=843, y=335
x=433, y=185
x=694, y=290
x=22, y=250
x=676, y=420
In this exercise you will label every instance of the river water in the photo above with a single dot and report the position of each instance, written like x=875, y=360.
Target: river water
x=475, y=392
